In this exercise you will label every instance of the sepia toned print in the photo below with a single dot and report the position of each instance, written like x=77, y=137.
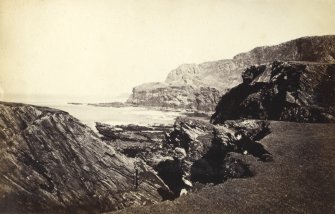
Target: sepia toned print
x=167, y=106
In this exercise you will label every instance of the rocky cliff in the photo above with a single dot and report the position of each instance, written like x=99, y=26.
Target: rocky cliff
x=50, y=162
x=175, y=96
x=289, y=91
x=224, y=74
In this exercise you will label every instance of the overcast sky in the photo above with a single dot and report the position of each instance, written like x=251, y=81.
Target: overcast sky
x=104, y=48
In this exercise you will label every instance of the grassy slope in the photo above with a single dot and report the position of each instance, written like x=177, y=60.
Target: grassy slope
x=301, y=179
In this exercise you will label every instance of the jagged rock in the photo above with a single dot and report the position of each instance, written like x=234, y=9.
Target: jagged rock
x=289, y=91
x=195, y=147
x=214, y=78
x=49, y=161
x=195, y=136
x=208, y=150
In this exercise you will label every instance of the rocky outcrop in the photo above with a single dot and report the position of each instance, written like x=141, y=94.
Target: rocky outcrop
x=288, y=91
x=197, y=151
x=175, y=96
x=131, y=139
x=50, y=162
x=203, y=153
x=224, y=74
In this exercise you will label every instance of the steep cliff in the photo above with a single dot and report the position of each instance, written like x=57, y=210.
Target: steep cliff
x=225, y=74
x=50, y=162
x=289, y=91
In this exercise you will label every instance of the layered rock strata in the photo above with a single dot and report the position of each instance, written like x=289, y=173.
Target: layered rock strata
x=50, y=162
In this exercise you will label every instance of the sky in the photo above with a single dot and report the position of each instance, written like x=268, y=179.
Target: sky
x=101, y=49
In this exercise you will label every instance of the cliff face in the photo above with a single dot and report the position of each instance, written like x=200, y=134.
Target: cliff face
x=50, y=162
x=289, y=91
x=182, y=96
x=225, y=74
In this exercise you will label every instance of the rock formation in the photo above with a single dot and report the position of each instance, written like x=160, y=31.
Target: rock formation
x=190, y=84
x=195, y=150
x=175, y=96
x=289, y=91
x=131, y=139
x=49, y=161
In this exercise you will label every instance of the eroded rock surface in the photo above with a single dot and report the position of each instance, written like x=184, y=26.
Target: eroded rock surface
x=50, y=162
x=288, y=91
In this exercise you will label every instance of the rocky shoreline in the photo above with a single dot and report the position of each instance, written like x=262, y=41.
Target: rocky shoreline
x=272, y=131
x=127, y=165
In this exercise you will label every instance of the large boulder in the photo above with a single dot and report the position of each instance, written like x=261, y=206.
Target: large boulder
x=49, y=161
x=288, y=91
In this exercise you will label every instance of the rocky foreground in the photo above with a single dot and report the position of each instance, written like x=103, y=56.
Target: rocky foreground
x=194, y=152
x=51, y=162
x=199, y=86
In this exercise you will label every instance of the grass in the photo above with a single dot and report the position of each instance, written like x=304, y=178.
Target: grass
x=300, y=179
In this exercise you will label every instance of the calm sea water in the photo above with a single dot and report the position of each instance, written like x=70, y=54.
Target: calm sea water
x=89, y=114
x=118, y=116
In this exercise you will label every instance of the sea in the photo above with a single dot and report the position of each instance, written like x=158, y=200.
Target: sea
x=90, y=114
